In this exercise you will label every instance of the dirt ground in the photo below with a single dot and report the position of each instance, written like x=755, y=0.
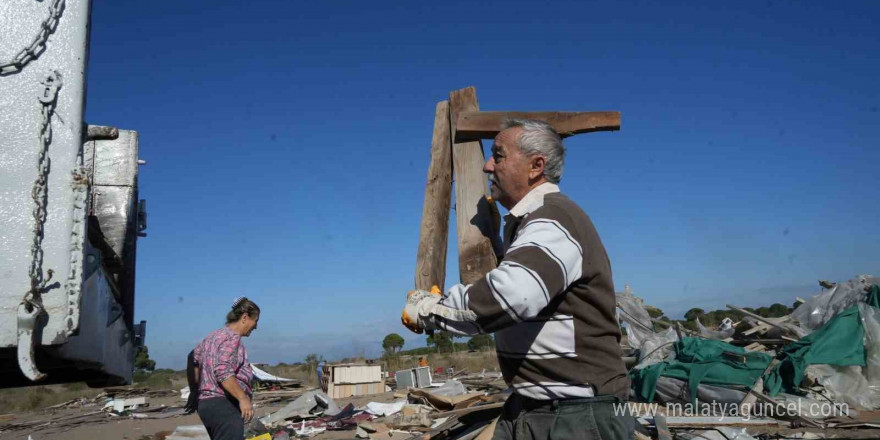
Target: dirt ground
x=125, y=428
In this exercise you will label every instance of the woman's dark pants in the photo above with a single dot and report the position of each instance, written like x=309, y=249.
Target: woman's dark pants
x=221, y=418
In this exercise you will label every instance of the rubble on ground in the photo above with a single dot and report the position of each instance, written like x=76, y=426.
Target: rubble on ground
x=755, y=378
x=814, y=373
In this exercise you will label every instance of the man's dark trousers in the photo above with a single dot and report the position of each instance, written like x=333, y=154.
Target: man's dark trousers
x=589, y=419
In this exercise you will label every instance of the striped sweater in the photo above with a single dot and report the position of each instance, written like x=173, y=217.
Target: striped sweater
x=550, y=303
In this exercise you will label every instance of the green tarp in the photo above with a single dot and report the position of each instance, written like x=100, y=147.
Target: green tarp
x=702, y=361
x=839, y=342
x=873, y=298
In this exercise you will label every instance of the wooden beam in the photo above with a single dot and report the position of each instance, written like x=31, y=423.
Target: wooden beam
x=474, y=125
x=476, y=254
x=434, y=232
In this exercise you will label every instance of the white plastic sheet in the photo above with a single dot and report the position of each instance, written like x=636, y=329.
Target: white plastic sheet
x=657, y=347
x=633, y=314
x=266, y=377
x=385, y=409
x=858, y=387
x=725, y=332
x=820, y=308
x=450, y=388
x=871, y=323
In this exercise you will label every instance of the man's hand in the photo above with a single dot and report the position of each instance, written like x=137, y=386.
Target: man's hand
x=418, y=304
x=247, y=409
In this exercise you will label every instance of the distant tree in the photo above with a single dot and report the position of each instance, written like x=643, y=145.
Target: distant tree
x=693, y=313
x=442, y=341
x=142, y=361
x=314, y=359
x=654, y=312
x=480, y=342
x=777, y=310
x=392, y=343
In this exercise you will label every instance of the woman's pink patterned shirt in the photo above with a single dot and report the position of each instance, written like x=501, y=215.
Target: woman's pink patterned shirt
x=219, y=356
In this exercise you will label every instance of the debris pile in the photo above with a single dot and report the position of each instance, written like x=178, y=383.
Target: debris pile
x=110, y=405
x=446, y=409
x=815, y=370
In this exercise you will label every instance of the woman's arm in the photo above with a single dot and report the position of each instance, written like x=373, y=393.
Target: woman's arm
x=244, y=403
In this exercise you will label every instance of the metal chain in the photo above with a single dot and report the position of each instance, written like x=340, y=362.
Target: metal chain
x=40, y=192
x=38, y=45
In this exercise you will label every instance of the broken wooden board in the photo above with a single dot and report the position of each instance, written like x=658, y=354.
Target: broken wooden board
x=475, y=125
x=460, y=419
x=443, y=403
x=434, y=231
x=477, y=239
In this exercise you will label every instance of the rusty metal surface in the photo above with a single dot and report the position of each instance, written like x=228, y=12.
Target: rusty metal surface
x=20, y=145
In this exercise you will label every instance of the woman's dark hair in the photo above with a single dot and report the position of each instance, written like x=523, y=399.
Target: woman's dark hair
x=240, y=307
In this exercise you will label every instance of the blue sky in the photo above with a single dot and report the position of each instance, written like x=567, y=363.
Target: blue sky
x=288, y=144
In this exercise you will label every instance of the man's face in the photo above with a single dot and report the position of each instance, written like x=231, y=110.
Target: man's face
x=508, y=169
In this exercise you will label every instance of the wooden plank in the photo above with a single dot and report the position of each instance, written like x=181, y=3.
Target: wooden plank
x=434, y=232
x=491, y=407
x=476, y=250
x=489, y=431
x=762, y=328
x=775, y=322
x=473, y=125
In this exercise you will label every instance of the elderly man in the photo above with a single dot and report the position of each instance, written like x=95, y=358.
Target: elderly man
x=550, y=302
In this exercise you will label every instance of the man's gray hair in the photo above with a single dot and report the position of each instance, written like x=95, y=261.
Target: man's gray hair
x=539, y=138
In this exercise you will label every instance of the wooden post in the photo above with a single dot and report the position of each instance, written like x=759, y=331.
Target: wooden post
x=476, y=254
x=434, y=232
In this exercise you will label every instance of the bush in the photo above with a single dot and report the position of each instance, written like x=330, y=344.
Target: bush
x=140, y=376
x=480, y=342
x=160, y=382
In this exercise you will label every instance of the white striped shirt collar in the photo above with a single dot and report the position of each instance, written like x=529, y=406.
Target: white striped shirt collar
x=534, y=199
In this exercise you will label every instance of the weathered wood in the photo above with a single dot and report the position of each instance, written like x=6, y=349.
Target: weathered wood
x=474, y=125
x=491, y=407
x=434, y=232
x=774, y=322
x=476, y=255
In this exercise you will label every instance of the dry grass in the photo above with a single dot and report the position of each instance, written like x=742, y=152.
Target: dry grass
x=163, y=379
x=473, y=362
x=14, y=400
x=306, y=374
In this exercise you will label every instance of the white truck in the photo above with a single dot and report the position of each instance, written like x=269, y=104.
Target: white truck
x=70, y=215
